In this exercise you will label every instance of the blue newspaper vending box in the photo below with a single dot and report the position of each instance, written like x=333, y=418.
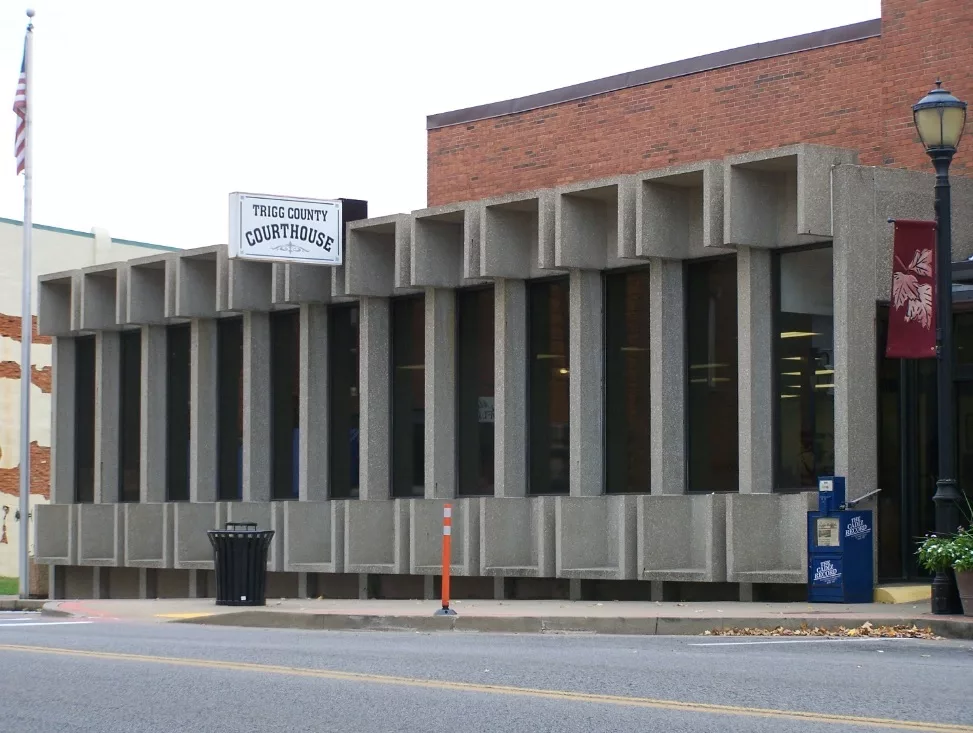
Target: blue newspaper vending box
x=839, y=548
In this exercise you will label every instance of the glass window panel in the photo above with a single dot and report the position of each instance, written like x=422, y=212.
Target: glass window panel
x=711, y=392
x=408, y=396
x=178, y=407
x=627, y=396
x=548, y=386
x=84, y=419
x=475, y=338
x=130, y=411
x=804, y=367
x=285, y=359
x=229, y=360
x=343, y=402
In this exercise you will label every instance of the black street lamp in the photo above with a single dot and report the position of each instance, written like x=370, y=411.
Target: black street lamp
x=940, y=118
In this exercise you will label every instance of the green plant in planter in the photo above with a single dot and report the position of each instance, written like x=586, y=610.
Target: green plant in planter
x=937, y=553
x=962, y=548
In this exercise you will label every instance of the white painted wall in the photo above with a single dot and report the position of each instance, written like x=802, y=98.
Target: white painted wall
x=53, y=250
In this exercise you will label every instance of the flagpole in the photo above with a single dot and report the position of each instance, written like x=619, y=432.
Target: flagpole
x=26, y=327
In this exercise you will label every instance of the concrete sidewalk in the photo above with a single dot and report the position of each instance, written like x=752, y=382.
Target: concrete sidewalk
x=621, y=617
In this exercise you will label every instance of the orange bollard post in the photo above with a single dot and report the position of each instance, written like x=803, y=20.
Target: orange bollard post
x=447, y=547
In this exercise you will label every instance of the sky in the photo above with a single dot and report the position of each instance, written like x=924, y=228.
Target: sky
x=147, y=115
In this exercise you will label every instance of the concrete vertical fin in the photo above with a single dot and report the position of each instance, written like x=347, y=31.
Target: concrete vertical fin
x=586, y=386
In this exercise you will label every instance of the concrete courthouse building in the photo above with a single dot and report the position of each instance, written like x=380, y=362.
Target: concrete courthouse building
x=638, y=319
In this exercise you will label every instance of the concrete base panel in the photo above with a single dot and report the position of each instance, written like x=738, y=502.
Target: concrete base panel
x=54, y=533
x=313, y=536
x=282, y=585
x=682, y=538
x=596, y=537
x=766, y=537
x=78, y=581
x=148, y=535
x=377, y=536
x=192, y=548
x=122, y=583
x=172, y=584
x=517, y=537
x=426, y=537
x=100, y=534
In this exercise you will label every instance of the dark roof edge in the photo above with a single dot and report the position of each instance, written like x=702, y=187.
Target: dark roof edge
x=744, y=54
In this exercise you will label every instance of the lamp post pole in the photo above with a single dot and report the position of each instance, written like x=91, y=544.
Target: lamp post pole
x=945, y=597
x=940, y=118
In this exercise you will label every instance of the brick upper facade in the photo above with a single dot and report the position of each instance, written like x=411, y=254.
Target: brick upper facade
x=855, y=94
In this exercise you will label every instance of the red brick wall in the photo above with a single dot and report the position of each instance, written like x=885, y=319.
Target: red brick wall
x=40, y=455
x=855, y=95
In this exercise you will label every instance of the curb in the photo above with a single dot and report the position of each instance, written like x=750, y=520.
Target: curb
x=650, y=626
x=21, y=604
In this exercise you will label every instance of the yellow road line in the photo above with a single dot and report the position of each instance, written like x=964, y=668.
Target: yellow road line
x=182, y=615
x=567, y=696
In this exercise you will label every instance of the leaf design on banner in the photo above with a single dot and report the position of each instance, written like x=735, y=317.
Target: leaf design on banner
x=904, y=289
x=920, y=308
x=922, y=263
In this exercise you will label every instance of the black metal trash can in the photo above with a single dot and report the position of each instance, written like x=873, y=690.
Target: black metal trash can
x=240, y=555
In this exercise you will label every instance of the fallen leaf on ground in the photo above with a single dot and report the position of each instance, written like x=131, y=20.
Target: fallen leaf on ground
x=866, y=629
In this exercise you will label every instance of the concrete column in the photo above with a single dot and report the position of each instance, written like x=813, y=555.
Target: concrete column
x=440, y=422
x=197, y=584
x=202, y=422
x=99, y=582
x=667, y=426
x=755, y=312
x=152, y=443
x=62, y=422
x=107, y=415
x=374, y=436
x=148, y=583
x=857, y=219
x=256, y=406
x=313, y=473
x=587, y=383
x=510, y=389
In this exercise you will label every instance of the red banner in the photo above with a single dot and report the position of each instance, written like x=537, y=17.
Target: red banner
x=912, y=317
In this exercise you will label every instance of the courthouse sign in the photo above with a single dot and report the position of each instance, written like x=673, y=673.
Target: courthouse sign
x=285, y=229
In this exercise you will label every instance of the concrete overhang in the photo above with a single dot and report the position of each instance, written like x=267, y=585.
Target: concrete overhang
x=103, y=287
x=196, y=286
x=679, y=211
x=377, y=258
x=780, y=197
x=445, y=245
x=58, y=303
x=594, y=223
x=516, y=235
x=243, y=285
x=151, y=290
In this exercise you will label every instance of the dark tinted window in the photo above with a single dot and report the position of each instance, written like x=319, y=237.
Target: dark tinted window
x=548, y=386
x=475, y=342
x=229, y=396
x=84, y=419
x=627, y=373
x=711, y=394
x=408, y=396
x=804, y=367
x=285, y=355
x=130, y=409
x=178, y=356
x=343, y=400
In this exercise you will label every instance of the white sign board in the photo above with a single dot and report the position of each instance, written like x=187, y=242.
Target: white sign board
x=277, y=228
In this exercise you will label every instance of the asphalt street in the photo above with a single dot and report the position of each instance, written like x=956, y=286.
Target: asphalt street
x=105, y=676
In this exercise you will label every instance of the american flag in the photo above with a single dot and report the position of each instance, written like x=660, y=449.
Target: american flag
x=20, y=107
